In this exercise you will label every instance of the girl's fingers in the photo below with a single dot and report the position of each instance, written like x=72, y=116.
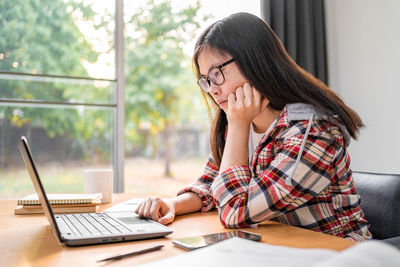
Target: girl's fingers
x=240, y=95
x=138, y=208
x=146, y=210
x=168, y=218
x=256, y=93
x=155, y=209
x=141, y=209
x=248, y=94
x=231, y=99
x=245, y=104
x=248, y=91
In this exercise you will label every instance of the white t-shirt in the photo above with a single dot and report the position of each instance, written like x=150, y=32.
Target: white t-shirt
x=255, y=138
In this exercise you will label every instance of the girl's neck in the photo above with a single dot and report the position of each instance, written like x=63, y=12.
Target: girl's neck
x=264, y=120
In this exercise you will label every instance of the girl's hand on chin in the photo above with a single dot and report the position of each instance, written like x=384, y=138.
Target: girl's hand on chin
x=244, y=105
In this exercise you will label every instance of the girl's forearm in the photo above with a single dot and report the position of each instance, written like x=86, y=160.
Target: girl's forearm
x=187, y=203
x=236, y=149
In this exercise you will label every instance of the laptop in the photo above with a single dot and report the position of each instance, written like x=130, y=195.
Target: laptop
x=80, y=229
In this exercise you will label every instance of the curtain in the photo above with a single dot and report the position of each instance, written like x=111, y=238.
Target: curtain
x=300, y=25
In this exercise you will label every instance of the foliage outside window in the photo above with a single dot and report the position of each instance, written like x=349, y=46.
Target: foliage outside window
x=161, y=93
x=45, y=56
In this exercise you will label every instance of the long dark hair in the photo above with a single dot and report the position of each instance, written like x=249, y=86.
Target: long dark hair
x=263, y=60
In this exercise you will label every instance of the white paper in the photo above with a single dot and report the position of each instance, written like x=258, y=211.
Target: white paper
x=129, y=205
x=365, y=254
x=241, y=252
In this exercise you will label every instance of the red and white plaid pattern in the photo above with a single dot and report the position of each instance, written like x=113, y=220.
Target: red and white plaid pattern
x=321, y=196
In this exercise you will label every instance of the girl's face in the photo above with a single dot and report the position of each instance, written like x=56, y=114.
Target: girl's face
x=210, y=58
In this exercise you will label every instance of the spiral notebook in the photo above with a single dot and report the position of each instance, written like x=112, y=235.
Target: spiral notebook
x=61, y=203
x=62, y=199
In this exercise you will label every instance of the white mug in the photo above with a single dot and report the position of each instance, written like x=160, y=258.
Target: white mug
x=99, y=181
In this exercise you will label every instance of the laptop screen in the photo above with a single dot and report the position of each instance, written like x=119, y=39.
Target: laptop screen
x=33, y=173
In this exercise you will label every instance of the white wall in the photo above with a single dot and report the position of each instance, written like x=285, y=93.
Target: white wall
x=363, y=39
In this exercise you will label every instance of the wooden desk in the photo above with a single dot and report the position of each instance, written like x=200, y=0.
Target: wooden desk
x=27, y=240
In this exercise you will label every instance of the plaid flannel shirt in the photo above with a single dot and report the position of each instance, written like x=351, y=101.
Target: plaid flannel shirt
x=321, y=196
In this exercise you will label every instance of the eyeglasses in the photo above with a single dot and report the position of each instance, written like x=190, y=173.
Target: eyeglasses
x=215, y=76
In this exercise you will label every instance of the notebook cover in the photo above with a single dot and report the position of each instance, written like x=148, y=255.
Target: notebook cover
x=62, y=209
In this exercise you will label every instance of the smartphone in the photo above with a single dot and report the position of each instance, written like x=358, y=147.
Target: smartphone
x=191, y=243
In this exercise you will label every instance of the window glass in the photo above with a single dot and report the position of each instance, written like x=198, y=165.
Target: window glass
x=57, y=37
x=57, y=88
x=167, y=123
x=64, y=141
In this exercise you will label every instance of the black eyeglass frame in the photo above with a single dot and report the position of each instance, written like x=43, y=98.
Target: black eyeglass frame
x=209, y=81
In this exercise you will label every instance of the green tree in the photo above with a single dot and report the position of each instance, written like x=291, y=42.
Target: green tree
x=40, y=36
x=155, y=72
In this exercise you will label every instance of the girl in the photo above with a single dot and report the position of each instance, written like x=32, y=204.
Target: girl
x=278, y=139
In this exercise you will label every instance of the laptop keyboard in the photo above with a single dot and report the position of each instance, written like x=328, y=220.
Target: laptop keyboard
x=86, y=224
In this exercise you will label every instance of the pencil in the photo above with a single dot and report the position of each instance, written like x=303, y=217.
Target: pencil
x=134, y=253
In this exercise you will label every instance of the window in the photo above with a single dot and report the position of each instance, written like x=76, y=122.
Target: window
x=86, y=98
x=52, y=91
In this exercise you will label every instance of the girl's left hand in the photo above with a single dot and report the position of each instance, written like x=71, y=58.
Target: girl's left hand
x=245, y=105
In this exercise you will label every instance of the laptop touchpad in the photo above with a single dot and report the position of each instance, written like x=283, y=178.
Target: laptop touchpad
x=133, y=220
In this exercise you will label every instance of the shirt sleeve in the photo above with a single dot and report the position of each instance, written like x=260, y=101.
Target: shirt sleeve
x=202, y=186
x=244, y=198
